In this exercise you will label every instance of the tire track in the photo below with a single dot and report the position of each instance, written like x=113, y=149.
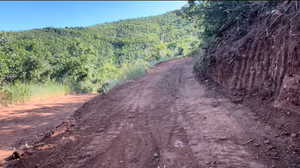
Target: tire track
x=162, y=120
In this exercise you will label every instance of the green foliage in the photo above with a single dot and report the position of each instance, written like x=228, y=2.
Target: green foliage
x=88, y=58
x=130, y=71
x=21, y=92
x=202, y=65
x=214, y=18
x=126, y=72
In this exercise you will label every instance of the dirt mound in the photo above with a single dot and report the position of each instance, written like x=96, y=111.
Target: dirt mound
x=266, y=61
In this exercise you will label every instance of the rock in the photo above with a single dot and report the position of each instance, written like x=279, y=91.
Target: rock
x=16, y=155
x=293, y=135
x=266, y=141
x=278, y=135
x=131, y=116
x=275, y=158
x=155, y=155
x=237, y=100
x=223, y=138
x=178, y=144
x=285, y=133
x=215, y=104
x=249, y=141
x=270, y=147
x=256, y=145
x=100, y=130
x=25, y=146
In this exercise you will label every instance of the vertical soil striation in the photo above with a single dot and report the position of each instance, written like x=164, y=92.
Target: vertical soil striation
x=266, y=61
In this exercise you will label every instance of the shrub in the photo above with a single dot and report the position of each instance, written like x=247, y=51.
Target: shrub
x=126, y=72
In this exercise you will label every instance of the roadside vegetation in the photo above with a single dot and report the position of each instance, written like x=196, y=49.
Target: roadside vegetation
x=132, y=71
x=214, y=20
x=89, y=59
x=21, y=92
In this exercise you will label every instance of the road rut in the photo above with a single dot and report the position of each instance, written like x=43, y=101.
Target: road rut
x=165, y=119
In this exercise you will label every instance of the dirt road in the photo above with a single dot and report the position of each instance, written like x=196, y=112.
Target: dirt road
x=165, y=119
x=23, y=123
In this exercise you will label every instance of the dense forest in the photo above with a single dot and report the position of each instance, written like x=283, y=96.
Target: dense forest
x=87, y=58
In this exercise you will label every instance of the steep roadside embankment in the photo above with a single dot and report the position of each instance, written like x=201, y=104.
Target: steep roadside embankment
x=264, y=63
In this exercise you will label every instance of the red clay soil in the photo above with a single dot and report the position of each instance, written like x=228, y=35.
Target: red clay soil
x=266, y=61
x=22, y=124
x=165, y=119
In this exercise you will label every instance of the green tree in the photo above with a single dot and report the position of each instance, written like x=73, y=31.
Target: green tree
x=91, y=55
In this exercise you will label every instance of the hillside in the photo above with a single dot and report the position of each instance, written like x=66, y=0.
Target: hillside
x=258, y=57
x=234, y=105
x=251, y=51
x=89, y=57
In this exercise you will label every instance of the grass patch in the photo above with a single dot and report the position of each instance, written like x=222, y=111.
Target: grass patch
x=126, y=72
x=21, y=92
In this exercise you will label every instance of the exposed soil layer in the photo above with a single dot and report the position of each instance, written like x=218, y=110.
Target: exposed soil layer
x=165, y=119
x=266, y=61
x=261, y=69
x=23, y=124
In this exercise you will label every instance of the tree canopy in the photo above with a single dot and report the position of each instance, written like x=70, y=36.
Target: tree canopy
x=92, y=54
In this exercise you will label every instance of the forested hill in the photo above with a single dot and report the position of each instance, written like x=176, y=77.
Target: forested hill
x=91, y=56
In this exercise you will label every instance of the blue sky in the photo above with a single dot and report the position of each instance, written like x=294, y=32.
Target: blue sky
x=25, y=15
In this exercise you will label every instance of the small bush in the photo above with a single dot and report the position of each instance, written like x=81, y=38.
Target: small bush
x=126, y=72
x=202, y=65
x=82, y=87
x=16, y=93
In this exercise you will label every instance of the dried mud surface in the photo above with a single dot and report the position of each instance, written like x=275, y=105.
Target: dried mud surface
x=23, y=124
x=165, y=119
